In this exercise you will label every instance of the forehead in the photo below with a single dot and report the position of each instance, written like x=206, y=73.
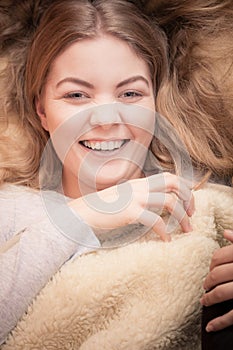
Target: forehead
x=102, y=53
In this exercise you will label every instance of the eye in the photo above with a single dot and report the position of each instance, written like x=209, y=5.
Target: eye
x=131, y=95
x=76, y=95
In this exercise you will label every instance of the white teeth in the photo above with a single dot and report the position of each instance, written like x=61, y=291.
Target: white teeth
x=104, y=145
x=97, y=145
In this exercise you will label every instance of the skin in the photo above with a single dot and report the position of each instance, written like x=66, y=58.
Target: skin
x=82, y=78
x=219, y=283
x=73, y=87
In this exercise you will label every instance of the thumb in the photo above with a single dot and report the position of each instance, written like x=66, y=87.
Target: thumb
x=228, y=234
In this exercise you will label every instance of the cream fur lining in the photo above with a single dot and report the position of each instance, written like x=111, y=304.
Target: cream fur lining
x=141, y=296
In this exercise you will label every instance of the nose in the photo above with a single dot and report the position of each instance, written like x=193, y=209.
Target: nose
x=105, y=116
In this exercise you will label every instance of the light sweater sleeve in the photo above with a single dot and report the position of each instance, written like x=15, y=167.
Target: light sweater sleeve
x=32, y=249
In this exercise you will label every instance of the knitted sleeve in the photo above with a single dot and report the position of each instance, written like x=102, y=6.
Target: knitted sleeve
x=32, y=249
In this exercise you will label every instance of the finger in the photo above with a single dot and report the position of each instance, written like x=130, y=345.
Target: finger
x=170, y=183
x=220, y=322
x=173, y=206
x=189, y=205
x=220, y=293
x=184, y=192
x=228, y=234
x=155, y=222
x=220, y=274
x=167, y=182
x=176, y=209
x=222, y=256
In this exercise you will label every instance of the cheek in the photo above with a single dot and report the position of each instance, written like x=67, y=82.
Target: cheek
x=139, y=119
x=56, y=109
x=56, y=116
x=141, y=136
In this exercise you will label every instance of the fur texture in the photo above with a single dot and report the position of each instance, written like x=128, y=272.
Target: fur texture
x=141, y=296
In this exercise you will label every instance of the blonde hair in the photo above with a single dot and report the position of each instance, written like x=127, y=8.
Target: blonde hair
x=197, y=98
x=63, y=23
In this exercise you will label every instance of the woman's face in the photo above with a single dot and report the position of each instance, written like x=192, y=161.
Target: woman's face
x=99, y=96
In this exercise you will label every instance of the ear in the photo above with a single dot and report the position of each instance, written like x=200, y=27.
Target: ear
x=41, y=113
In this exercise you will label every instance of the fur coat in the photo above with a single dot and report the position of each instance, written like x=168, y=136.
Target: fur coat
x=141, y=296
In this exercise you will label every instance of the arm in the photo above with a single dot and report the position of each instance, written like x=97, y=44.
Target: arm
x=219, y=284
x=29, y=258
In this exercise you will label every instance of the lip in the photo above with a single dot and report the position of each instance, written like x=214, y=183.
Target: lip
x=105, y=140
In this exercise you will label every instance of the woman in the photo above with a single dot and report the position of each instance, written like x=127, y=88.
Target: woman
x=66, y=74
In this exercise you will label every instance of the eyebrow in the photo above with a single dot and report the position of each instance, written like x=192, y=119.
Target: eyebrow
x=132, y=80
x=75, y=81
x=90, y=86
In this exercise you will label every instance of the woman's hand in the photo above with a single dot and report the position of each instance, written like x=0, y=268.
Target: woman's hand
x=220, y=283
x=139, y=201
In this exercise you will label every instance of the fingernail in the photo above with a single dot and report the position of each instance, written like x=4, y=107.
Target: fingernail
x=191, y=211
x=204, y=285
x=230, y=232
x=209, y=328
x=203, y=302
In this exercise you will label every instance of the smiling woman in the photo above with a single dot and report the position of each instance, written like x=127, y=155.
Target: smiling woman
x=85, y=89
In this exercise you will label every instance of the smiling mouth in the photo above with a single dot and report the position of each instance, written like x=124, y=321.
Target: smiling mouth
x=104, y=145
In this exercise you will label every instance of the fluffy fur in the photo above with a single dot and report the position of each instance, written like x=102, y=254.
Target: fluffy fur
x=141, y=296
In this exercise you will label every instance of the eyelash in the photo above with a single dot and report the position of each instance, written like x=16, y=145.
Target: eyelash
x=71, y=95
x=128, y=95
x=133, y=94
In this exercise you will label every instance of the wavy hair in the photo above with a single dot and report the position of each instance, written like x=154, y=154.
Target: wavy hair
x=198, y=96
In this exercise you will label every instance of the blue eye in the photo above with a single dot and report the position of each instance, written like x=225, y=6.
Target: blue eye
x=76, y=95
x=131, y=94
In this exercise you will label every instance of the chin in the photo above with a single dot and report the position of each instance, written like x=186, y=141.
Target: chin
x=103, y=183
x=109, y=178
x=109, y=175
